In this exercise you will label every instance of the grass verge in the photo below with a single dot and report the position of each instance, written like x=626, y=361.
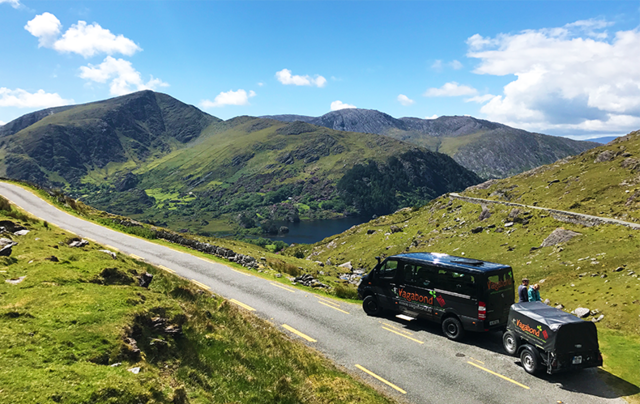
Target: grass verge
x=78, y=324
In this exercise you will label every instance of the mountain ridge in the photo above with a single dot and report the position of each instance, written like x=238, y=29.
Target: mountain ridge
x=490, y=149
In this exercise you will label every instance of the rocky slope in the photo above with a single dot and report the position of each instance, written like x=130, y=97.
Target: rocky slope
x=489, y=149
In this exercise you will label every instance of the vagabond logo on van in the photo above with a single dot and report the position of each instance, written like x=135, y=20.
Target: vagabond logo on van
x=499, y=285
x=533, y=331
x=415, y=297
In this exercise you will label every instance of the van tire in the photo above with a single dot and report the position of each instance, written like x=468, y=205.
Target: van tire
x=452, y=328
x=530, y=359
x=371, y=306
x=511, y=342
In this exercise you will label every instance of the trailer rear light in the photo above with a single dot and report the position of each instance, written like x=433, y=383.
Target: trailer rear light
x=482, y=311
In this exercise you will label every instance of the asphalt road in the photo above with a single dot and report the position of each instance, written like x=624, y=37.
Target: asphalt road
x=410, y=361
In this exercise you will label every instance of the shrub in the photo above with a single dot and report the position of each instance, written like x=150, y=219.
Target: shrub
x=285, y=267
x=346, y=291
x=4, y=204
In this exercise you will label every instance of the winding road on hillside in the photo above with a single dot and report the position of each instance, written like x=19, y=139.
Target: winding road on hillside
x=412, y=361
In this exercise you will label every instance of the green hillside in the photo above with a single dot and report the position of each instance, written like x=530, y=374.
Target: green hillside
x=151, y=157
x=60, y=147
x=597, y=268
x=76, y=325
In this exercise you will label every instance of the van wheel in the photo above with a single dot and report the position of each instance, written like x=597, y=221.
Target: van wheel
x=511, y=342
x=530, y=360
x=452, y=328
x=371, y=306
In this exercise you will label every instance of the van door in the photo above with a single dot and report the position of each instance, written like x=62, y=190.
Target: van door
x=385, y=283
x=456, y=292
x=414, y=294
x=499, y=295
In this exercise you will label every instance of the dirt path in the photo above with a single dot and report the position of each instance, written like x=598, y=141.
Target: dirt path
x=561, y=215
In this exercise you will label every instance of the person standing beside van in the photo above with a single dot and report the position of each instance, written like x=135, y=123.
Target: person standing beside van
x=523, y=292
x=534, y=293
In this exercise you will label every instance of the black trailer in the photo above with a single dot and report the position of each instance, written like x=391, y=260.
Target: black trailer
x=544, y=336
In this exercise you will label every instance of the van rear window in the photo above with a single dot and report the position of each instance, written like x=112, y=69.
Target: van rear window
x=500, y=281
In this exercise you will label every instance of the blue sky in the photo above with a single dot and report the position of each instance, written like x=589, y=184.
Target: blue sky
x=565, y=68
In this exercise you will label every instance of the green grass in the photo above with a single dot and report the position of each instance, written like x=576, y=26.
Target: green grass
x=622, y=361
x=65, y=324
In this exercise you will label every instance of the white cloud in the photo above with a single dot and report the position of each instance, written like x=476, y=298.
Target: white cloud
x=2, y=123
x=337, y=105
x=240, y=97
x=285, y=77
x=260, y=84
x=45, y=27
x=455, y=65
x=480, y=99
x=439, y=65
x=23, y=99
x=14, y=3
x=404, y=100
x=82, y=38
x=451, y=89
x=434, y=116
x=572, y=79
x=124, y=78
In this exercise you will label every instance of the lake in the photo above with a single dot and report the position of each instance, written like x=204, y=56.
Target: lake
x=309, y=232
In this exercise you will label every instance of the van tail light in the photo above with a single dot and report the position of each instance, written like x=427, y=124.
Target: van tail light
x=482, y=311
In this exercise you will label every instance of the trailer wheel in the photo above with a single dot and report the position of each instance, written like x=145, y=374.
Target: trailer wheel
x=452, y=328
x=371, y=306
x=511, y=342
x=530, y=359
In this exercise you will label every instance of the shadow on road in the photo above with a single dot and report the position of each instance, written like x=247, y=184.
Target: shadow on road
x=587, y=381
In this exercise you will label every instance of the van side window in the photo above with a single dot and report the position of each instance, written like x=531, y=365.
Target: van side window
x=389, y=269
x=424, y=276
x=408, y=273
x=464, y=283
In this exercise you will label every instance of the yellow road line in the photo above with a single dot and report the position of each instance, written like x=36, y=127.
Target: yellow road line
x=402, y=330
x=328, y=301
x=283, y=287
x=213, y=262
x=202, y=285
x=333, y=307
x=402, y=335
x=499, y=375
x=381, y=379
x=111, y=247
x=90, y=239
x=167, y=269
x=473, y=359
x=298, y=333
x=244, y=306
x=135, y=257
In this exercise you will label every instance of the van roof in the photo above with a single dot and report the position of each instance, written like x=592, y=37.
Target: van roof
x=447, y=260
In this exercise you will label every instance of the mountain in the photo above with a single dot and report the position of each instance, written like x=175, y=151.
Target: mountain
x=603, y=140
x=60, y=146
x=153, y=157
x=489, y=149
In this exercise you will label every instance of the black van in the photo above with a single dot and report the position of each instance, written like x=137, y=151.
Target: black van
x=461, y=293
